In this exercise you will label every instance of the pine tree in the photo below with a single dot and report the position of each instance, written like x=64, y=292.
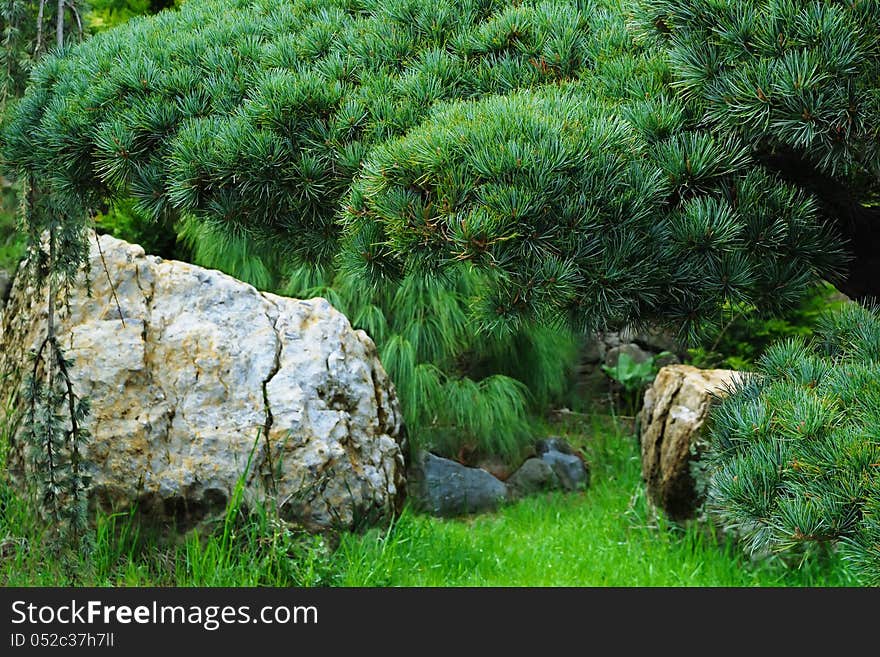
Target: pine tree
x=527, y=157
x=797, y=83
x=250, y=130
x=30, y=29
x=793, y=459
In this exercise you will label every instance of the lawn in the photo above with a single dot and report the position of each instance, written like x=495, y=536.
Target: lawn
x=604, y=536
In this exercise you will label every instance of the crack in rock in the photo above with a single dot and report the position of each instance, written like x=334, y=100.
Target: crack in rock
x=267, y=407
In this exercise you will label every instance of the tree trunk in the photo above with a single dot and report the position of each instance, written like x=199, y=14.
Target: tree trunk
x=857, y=224
x=59, y=25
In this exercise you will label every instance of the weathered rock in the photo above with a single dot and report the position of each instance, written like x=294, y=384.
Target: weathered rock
x=535, y=475
x=446, y=488
x=190, y=372
x=675, y=409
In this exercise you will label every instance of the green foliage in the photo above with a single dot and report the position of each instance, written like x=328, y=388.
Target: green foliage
x=528, y=156
x=123, y=221
x=538, y=541
x=462, y=394
x=104, y=14
x=12, y=246
x=268, y=152
x=535, y=542
x=794, y=450
x=634, y=377
x=266, y=156
x=27, y=32
x=53, y=428
x=748, y=333
x=784, y=76
x=572, y=211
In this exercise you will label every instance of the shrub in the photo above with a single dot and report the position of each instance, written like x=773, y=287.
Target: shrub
x=797, y=83
x=747, y=333
x=794, y=451
x=570, y=211
x=351, y=147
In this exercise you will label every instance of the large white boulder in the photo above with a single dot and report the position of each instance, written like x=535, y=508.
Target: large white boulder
x=200, y=372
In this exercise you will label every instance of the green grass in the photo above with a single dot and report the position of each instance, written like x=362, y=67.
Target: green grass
x=604, y=536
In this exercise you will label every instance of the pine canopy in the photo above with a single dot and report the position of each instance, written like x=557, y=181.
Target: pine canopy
x=799, y=84
x=533, y=140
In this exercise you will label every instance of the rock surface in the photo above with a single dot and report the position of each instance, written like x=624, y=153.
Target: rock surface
x=556, y=466
x=634, y=351
x=535, y=475
x=188, y=370
x=675, y=409
x=605, y=349
x=445, y=488
x=570, y=469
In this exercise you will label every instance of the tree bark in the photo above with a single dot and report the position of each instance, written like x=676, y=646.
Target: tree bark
x=59, y=25
x=857, y=224
x=39, y=43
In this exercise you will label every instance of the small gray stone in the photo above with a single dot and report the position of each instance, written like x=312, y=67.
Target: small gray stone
x=610, y=339
x=569, y=468
x=534, y=476
x=445, y=488
x=656, y=339
x=553, y=444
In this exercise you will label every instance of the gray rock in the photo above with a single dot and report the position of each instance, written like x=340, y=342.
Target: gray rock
x=666, y=359
x=445, y=488
x=553, y=444
x=186, y=367
x=610, y=339
x=569, y=467
x=653, y=339
x=535, y=475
